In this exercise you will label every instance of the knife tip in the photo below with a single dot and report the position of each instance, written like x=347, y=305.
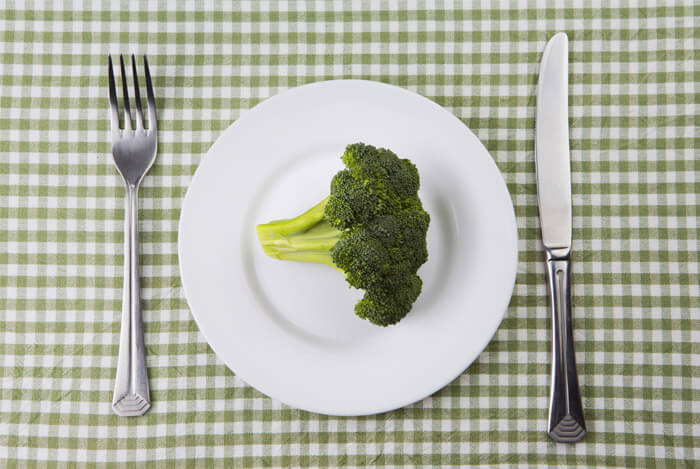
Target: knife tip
x=560, y=36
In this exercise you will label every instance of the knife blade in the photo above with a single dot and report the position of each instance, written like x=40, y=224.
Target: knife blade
x=552, y=163
x=552, y=146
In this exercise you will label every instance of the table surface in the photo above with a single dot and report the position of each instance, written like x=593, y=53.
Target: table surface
x=634, y=93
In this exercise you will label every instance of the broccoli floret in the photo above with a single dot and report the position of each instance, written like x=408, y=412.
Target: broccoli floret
x=372, y=227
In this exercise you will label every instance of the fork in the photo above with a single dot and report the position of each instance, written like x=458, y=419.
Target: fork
x=133, y=151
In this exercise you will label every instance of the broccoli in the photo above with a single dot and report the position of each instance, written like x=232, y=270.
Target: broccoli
x=372, y=227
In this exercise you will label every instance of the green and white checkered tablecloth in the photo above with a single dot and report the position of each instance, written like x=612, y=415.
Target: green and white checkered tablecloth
x=635, y=139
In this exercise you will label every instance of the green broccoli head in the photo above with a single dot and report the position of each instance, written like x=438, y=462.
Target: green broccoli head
x=384, y=308
x=375, y=183
x=375, y=226
x=383, y=170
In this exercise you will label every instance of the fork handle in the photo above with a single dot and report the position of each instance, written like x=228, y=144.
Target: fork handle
x=131, y=393
x=566, y=424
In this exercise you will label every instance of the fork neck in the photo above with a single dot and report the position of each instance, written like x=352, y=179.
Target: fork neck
x=132, y=189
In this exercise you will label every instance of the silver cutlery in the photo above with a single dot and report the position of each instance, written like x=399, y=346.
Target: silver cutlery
x=566, y=423
x=133, y=151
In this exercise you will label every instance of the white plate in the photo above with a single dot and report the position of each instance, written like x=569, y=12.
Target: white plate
x=288, y=328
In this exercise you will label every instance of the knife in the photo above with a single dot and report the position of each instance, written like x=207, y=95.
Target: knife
x=552, y=164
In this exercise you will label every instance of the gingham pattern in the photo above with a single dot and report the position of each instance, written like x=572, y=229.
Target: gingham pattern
x=634, y=138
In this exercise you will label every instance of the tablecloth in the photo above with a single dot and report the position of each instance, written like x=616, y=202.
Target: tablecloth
x=634, y=94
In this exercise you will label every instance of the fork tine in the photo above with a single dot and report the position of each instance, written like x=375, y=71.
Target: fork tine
x=137, y=96
x=152, y=121
x=127, y=108
x=114, y=108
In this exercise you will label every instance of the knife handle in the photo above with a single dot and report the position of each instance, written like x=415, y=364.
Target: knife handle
x=566, y=424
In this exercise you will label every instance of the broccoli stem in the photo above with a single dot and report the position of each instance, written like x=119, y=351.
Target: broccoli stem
x=307, y=237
